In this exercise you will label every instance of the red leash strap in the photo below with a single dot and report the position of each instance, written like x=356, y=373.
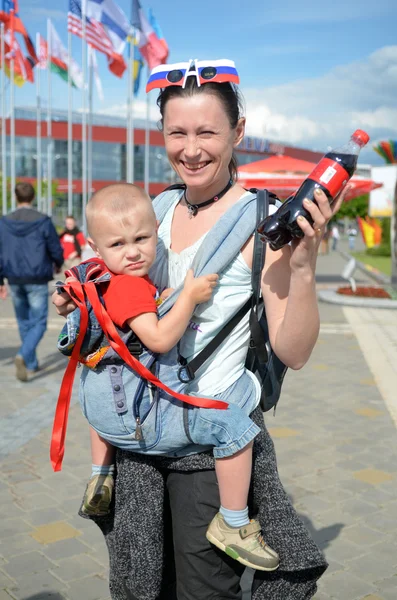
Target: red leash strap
x=118, y=346
x=78, y=291
x=57, y=447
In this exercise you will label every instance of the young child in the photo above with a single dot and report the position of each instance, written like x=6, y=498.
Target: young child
x=123, y=233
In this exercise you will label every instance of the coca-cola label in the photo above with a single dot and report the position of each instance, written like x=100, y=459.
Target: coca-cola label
x=331, y=175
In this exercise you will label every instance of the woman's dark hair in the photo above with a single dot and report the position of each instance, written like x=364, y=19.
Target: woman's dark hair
x=228, y=95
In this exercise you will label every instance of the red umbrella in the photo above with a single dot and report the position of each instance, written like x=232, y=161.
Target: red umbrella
x=284, y=174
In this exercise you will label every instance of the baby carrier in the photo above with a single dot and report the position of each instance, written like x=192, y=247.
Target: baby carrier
x=227, y=238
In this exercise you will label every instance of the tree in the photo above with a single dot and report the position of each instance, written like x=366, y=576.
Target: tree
x=357, y=207
x=43, y=191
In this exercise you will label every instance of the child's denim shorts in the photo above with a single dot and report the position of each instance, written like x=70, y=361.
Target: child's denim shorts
x=114, y=400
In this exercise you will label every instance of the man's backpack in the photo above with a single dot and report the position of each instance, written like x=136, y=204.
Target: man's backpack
x=261, y=359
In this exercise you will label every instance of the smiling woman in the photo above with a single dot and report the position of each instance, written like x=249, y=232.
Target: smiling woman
x=173, y=512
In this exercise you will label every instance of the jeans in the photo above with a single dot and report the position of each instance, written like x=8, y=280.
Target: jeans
x=31, y=310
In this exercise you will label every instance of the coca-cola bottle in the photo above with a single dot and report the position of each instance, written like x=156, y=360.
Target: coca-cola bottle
x=330, y=175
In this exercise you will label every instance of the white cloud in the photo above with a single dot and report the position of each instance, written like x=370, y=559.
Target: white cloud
x=323, y=111
x=120, y=110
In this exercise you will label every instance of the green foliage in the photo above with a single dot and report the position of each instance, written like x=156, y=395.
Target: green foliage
x=44, y=187
x=381, y=250
x=386, y=232
x=358, y=207
x=384, y=248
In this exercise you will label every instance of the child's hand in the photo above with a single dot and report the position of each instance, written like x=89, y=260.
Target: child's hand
x=165, y=293
x=200, y=289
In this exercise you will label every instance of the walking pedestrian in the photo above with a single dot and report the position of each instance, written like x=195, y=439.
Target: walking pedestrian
x=73, y=242
x=29, y=252
x=335, y=235
x=351, y=236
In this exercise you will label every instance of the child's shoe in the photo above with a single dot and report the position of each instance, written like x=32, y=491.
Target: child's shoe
x=244, y=544
x=98, y=495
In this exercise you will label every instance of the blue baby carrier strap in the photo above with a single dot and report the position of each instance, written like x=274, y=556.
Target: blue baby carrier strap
x=224, y=242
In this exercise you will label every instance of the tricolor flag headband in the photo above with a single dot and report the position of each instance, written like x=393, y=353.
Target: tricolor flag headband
x=205, y=71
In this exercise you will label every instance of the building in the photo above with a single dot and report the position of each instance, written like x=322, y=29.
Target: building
x=109, y=153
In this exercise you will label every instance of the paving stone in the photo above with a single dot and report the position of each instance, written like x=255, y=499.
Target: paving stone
x=35, y=500
x=31, y=562
x=361, y=535
x=90, y=588
x=357, y=508
x=346, y=586
x=13, y=526
x=5, y=596
x=5, y=580
x=77, y=567
x=372, y=567
x=53, y=532
x=65, y=549
x=373, y=476
x=342, y=550
x=43, y=516
x=38, y=583
x=18, y=544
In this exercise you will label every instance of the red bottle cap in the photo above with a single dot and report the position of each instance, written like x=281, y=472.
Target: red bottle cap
x=361, y=137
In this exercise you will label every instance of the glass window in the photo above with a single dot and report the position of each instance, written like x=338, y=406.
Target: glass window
x=107, y=161
x=244, y=158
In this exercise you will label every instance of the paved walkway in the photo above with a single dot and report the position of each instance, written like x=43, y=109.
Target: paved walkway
x=335, y=435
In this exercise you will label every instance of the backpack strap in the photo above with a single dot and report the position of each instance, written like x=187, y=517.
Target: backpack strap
x=257, y=341
x=188, y=371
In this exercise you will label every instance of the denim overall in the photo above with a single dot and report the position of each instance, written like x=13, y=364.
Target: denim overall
x=134, y=416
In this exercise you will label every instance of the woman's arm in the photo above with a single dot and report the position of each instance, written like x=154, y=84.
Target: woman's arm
x=289, y=288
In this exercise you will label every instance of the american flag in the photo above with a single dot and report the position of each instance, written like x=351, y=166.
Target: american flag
x=96, y=35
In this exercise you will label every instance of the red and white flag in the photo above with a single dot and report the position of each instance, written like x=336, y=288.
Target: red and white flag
x=150, y=46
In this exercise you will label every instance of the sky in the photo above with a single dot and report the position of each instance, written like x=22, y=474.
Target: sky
x=311, y=72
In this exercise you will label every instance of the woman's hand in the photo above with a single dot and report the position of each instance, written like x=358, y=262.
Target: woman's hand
x=304, y=251
x=63, y=302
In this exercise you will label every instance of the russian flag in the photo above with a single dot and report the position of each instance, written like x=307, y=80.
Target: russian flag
x=152, y=49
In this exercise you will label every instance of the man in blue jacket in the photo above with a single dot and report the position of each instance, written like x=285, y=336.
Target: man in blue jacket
x=30, y=251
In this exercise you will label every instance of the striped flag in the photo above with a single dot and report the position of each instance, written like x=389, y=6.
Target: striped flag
x=59, y=59
x=137, y=67
x=114, y=20
x=23, y=70
x=5, y=16
x=157, y=29
x=96, y=37
x=151, y=48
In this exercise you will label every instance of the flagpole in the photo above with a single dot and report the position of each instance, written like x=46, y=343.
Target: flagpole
x=38, y=128
x=147, y=142
x=89, y=149
x=49, y=122
x=70, y=131
x=3, y=124
x=128, y=128
x=132, y=135
x=84, y=117
x=12, y=113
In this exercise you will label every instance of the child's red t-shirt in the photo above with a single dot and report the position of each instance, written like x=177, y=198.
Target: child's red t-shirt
x=127, y=297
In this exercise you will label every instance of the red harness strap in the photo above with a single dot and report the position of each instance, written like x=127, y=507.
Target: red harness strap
x=78, y=291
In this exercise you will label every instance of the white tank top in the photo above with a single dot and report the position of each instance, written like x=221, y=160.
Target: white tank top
x=226, y=364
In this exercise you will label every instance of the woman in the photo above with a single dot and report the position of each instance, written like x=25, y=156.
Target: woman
x=156, y=535
x=73, y=242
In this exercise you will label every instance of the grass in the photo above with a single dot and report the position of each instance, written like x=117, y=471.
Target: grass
x=381, y=263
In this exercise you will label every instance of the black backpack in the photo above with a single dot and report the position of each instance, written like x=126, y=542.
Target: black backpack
x=261, y=359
